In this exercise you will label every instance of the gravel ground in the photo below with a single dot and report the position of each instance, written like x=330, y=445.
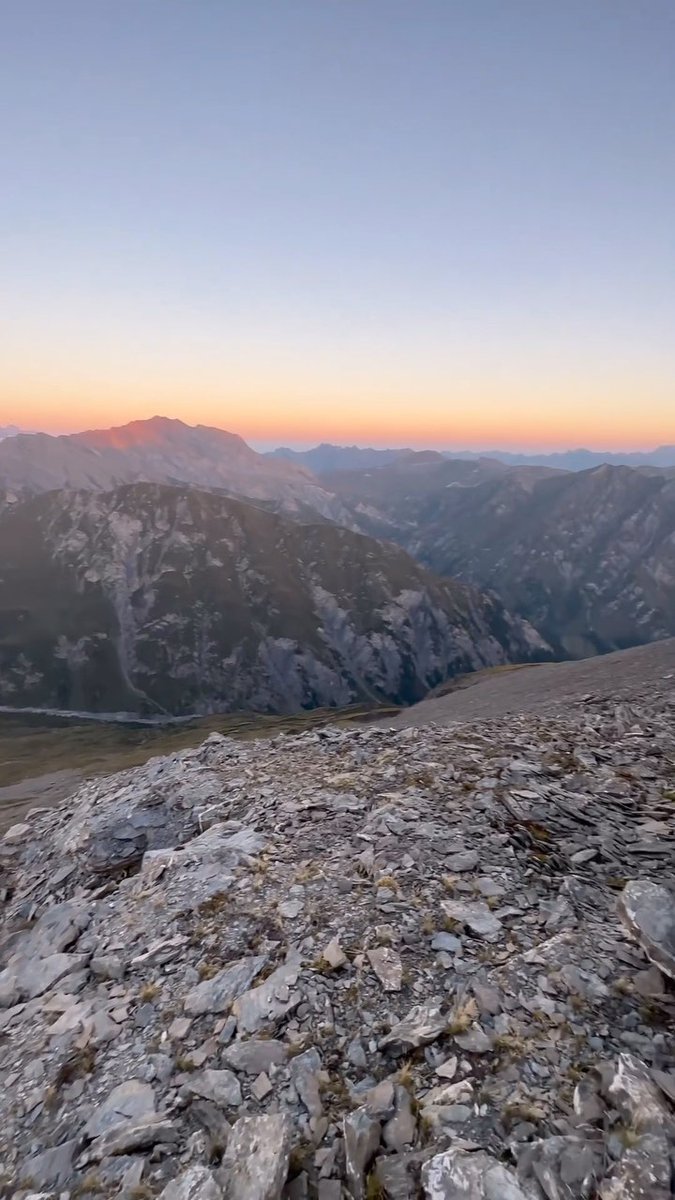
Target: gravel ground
x=550, y=686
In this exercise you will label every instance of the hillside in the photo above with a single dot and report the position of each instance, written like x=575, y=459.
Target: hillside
x=588, y=558
x=545, y=687
x=158, y=599
x=430, y=962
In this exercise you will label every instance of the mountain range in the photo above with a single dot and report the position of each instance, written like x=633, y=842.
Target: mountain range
x=163, y=567
x=163, y=599
x=325, y=458
x=159, y=451
x=587, y=557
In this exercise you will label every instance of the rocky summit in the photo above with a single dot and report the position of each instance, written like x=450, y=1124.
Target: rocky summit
x=432, y=961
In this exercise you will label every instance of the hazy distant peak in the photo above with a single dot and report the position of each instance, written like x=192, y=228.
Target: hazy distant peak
x=323, y=459
x=156, y=431
x=327, y=458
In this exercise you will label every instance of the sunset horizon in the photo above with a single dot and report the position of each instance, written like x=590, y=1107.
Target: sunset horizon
x=449, y=227
x=291, y=437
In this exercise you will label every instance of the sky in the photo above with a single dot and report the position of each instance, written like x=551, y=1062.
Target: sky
x=409, y=222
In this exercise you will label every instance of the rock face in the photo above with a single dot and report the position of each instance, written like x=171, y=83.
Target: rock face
x=155, y=599
x=289, y=994
x=587, y=557
x=649, y=912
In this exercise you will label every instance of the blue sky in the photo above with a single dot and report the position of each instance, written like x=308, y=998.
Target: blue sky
x=361, y=219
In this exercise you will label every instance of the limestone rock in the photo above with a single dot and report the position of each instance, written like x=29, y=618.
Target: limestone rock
x=127, y=1137
x=386, y=964
x=196, y=1183
x=272, y=1000
x=255, y=1163
x=222, y=1087
x=399, y=1131
x=458, y=1175
x=53, y=1167
x=423, y=1024
x=361, y=1133
x=128, y=1101
x=218, y=994
x=254, y=1056
x=476, y=915
x=637, y=1097
x=642, y=1173
x=334, y=955
x=649, y=912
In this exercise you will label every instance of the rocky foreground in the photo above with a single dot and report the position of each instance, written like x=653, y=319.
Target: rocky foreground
x=371, y=963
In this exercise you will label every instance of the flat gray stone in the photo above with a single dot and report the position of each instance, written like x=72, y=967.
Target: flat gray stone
x=399, y=1132
x=642, y=1173
x=422, y=1025
x=387, y=966
x=255, y=1055
x=381, y=1100
x=447, y=942
x=39, y=976
x=197, y=1183
x=466, y=860
x=128, y=1101
x=17, y=833
x=59, y=927
x=53, y=1167
x=398, y=1174
x=648, y=910
x=255, y=1163
x=477, y=917
x=458, y=1175
x=334, y=955
x=559, y=1165
x=361, y=1133
x=474, y=1041
x=269, y=1003
x=218, y=994
x=304, y=1072
x=128, y=1137
x=220, y=1086
x=638, y=1099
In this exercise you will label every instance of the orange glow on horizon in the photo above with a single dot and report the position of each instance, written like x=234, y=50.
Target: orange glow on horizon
x=284, y=426
x=467, y=414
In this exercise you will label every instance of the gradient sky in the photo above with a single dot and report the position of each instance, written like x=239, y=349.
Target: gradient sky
x=445, y=222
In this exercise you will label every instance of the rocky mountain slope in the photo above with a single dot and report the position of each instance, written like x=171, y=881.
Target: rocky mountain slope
x=588, y=557
x=7, y=431
x=160, y=451
x=374, y=963
x=160, y=599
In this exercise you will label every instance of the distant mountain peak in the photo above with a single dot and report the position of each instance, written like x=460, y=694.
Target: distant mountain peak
x=162, y=450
